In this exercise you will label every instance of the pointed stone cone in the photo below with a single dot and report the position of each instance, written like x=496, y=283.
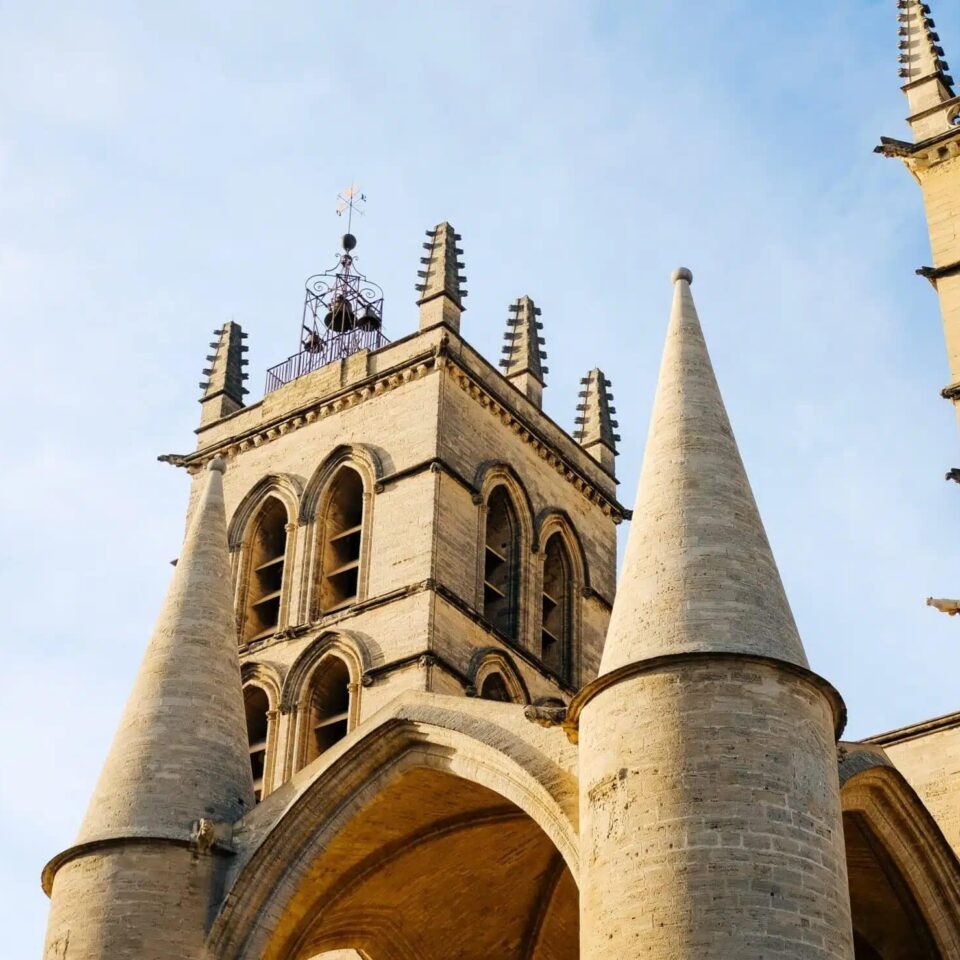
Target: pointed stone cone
x=698, y=575
x=180, y=753
x=523, y=350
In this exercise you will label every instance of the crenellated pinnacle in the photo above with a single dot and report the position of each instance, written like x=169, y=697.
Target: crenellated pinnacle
x=595, y=426
x=924, y=71
x=223, y=390
x=523, y=350
x=439, y=284
x=180, y=752
x=698, y=575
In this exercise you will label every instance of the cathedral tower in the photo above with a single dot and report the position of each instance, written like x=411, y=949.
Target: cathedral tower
x=388, y=518
x=710, y=810
x=933, y=158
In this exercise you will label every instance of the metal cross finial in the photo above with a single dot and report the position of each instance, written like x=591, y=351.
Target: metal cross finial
x=350, y=200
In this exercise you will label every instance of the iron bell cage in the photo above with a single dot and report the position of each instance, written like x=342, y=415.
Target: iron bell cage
x=342, y=314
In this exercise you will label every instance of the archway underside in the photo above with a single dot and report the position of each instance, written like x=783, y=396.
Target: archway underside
x=434, y=867
x=887, y=922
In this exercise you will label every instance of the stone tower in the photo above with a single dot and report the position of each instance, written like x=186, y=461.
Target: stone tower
x=933, y=158
x=710, y=821
x=388, y=518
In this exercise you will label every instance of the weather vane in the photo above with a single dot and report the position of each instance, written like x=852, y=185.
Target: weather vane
x=350, y=200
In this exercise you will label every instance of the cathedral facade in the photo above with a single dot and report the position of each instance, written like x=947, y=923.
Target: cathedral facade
x=396, y=704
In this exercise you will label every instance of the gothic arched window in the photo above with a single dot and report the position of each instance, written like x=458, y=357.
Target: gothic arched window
x=328, y=706
x=501, y=564
x=257, y=707
x=494, y=687
x=557, y=613
x=267, y=551
x=342, y=534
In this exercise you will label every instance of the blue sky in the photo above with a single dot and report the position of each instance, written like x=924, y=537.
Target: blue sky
x=164, y=168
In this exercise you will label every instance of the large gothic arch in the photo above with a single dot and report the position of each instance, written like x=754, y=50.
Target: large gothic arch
x=904, y=877
x=433, y=796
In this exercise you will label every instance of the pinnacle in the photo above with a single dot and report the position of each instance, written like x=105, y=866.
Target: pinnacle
x=180, y=752
x=921, y=55
x=924, y=71
x=223, y=390
x=440, y=278
x=595, y=426
x=523, y=349
x=699, y=575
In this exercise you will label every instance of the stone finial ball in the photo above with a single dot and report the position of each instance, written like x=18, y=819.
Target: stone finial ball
x=681, y=273
x=218, y=465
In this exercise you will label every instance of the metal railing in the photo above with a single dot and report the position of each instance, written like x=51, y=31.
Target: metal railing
x=319, y=354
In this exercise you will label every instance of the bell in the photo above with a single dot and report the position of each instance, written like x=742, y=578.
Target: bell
x=312, y=342
x=370, y=320
x=339, y=317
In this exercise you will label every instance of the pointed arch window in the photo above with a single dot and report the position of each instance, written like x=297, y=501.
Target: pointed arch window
x=557, y=613
x=267, y=550
x=257, y=707
x=501, y=588
x=342, y=538
x=328, y=706
x=494, y=687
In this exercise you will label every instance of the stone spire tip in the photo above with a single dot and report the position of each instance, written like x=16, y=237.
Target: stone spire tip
x=698, y=575
x=681, y=273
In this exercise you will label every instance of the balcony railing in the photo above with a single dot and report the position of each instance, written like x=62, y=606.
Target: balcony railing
x=322, y=352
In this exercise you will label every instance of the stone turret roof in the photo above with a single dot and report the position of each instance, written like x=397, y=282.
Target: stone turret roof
x=698, y=575
x=180, y=752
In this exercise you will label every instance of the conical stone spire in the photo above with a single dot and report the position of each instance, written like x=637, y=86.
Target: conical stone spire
x=595, y=426
x=699, y=575
x=180, y=753
x=523, y=350
x=223, y=390
x=923, y=70
x=439, y=283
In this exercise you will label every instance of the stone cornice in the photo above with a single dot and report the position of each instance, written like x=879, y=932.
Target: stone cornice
x=544, y=449
x=950, y=721
x=413, y=368
x=569, y=720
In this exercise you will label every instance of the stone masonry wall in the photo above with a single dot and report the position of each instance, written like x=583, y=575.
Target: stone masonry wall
x=710, y=818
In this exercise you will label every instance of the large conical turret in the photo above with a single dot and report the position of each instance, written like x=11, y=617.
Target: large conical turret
x=138, y=883
x=698, y=574
x=180, y=752
x=708, y=771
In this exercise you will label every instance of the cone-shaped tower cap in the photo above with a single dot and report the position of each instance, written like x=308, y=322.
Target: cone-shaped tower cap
x=698, y=575
x=180, y=752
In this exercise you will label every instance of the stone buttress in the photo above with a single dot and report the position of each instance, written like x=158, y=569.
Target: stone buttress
x=144, y=872
x=709, y=795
